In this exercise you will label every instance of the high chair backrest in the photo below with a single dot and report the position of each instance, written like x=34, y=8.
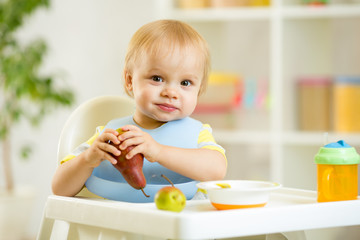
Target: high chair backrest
x=82, y=123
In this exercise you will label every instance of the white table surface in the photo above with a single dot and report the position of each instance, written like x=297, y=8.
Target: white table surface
x=287, y=210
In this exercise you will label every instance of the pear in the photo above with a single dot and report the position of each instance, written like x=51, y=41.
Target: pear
x=131, y=169
x=170, y=198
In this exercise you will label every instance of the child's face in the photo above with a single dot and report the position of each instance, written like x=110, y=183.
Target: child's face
x=165, y=86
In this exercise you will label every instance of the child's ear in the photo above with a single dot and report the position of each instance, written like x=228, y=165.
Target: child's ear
x=128, y=81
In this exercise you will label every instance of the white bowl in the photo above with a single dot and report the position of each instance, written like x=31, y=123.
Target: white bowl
x=241, y=194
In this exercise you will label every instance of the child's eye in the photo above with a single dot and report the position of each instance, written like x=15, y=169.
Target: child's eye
x=186, y=83
x=157, y=79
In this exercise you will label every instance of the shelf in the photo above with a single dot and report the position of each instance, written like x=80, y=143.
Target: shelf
x=265, y=13
x=223, y=14
x=331, y=11
x=281, y=41
x=318, y=138
x=241, y=137
x=288, y=138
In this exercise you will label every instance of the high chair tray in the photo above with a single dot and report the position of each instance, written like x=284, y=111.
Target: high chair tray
x=287, y=210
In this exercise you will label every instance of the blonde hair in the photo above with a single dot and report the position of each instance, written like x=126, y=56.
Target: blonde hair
x=154, y=36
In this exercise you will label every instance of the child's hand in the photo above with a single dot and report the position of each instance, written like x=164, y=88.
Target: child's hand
x=143, y=142
x=101, y=150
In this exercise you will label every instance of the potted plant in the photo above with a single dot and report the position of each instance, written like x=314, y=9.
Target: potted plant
x=25, y=94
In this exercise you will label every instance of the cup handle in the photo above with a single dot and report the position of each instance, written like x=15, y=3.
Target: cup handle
x=326, y=179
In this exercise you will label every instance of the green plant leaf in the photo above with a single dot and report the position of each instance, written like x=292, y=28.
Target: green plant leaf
x=25, y=94
x=25, y=152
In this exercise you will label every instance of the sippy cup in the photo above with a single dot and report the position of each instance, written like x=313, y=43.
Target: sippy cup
x=337, y=173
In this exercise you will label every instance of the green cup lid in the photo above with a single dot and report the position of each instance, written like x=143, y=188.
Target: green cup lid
x=339, y=153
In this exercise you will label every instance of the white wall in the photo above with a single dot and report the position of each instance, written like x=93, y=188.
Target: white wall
x=87, y=40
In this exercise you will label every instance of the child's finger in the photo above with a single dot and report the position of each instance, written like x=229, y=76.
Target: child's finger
x=110, y=130
x=135, y=141
x=131, y=134
x=133, y=152
x=130, y=128
x=106, y=136
x=108, y=148
x=110, y=158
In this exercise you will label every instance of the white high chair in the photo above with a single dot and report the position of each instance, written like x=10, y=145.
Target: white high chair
x=290, y=210
x=81, y=125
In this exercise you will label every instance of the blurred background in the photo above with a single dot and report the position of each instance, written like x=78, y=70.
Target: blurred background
x=285, y=80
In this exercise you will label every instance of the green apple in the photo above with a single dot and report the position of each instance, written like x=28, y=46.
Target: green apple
x=170, y=198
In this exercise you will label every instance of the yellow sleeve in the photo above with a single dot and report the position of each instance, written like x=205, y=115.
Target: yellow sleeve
x=67, y=158
x=82, y=147
x=206, y=140
x=97, y=133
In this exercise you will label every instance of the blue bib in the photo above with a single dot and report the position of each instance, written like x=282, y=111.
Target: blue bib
x=106, y=181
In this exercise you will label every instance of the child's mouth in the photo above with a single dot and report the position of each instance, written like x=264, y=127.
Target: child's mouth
x=167, y=107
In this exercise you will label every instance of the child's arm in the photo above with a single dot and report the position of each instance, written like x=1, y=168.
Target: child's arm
x=199, y=164
x=71, y=176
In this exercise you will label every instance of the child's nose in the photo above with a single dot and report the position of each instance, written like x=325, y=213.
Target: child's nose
x=169, y=92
